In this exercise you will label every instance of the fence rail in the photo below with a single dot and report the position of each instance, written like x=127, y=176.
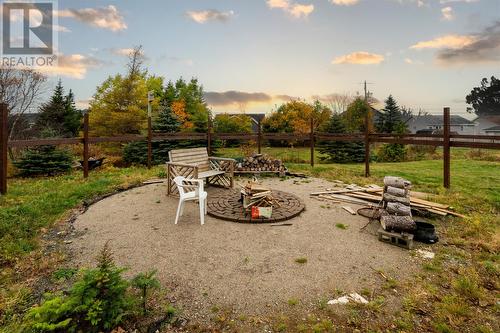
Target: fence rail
x=446, y=140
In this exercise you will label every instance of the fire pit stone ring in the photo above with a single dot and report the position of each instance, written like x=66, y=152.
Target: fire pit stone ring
x=226, y=205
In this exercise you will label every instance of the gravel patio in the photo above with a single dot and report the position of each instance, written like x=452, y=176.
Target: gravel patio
x=250, y=268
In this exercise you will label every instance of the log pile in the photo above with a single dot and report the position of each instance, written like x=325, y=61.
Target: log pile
x=254, y=194
x=261, y=163
x=396, y=201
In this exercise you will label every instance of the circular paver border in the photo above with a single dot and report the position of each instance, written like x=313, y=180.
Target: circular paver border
x=225, y=206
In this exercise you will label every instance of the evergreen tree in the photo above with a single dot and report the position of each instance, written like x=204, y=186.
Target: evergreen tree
x=44, y=160
x=166, y=121
x=59, y=114
x=391, y=118
x=391, y=121
x=73, y=117
x=341, y=151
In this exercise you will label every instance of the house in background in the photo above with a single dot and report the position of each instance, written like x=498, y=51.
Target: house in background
x=430, y=123
x=489, y=125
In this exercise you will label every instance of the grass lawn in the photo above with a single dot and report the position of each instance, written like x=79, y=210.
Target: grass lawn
x=457, y=291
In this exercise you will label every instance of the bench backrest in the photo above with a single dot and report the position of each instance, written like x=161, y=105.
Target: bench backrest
x=191, y=156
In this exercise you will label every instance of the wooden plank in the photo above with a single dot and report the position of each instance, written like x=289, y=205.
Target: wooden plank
x=43, y=142
x=349, y=209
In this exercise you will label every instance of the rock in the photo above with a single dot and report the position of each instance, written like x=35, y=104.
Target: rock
x=425, y=254
x=354, y=297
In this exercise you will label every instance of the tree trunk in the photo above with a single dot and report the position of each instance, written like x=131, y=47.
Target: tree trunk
x=396, y=182
x=398, y=223
x=396, y=208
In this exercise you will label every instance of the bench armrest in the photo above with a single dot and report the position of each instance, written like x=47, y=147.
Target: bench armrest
x=217, y=162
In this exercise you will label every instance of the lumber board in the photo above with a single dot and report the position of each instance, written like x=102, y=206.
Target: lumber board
x=349, y=209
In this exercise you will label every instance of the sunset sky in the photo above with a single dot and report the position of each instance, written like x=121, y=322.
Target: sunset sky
x=254, y=54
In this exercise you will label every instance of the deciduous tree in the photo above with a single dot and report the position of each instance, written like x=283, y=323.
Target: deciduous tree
x=485, y=99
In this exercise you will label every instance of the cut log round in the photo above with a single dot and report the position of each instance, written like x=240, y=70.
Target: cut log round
x=392, y=198
x=398, y=192
x=396, y=208
x=396, y=182
x=398, y=223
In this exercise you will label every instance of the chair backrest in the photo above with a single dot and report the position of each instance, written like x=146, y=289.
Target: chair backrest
x=179, y=181
x=191, y=156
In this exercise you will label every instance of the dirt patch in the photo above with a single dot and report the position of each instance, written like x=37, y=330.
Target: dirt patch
x=253, y=269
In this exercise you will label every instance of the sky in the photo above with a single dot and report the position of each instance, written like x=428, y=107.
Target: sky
x=251, y=55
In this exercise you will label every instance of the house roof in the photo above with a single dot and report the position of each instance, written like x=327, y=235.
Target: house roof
x=495, y=119
x=437, y=120
x=493, y=129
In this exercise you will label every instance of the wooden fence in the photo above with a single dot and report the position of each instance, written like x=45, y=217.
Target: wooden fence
x=446, y=140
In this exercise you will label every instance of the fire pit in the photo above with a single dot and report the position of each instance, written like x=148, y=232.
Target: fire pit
x=228, y=205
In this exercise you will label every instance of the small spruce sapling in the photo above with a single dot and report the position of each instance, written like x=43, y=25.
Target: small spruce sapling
x=145, y=282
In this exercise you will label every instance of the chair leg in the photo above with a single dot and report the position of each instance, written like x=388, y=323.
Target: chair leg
x=202, y=213
x=179, y=208
x=206, y=206
x=182, y=208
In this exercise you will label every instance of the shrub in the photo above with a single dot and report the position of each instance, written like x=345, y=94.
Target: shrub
x=44, y=160
x=340, y=151
x=392, y=152
x=96, y=302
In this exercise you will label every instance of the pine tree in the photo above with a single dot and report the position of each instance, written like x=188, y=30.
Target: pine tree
x=73, y=117
x=52, y=113
x=59, y=114
x=166, y=121
x=44, y=160
x=341, y=151
x=391, y=117
x=391, y=121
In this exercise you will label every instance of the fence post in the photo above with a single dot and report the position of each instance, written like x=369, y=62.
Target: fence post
x=446, y=147
x=312, y=141
x=259, y=137
x=150, y=138
x=367, y=144
x=4, y=114
x=209, y=135
x=86, y=145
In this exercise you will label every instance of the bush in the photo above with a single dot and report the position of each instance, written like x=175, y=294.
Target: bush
x=392, y=152
x=421, y=152
x=96, y=302
x=44, y=160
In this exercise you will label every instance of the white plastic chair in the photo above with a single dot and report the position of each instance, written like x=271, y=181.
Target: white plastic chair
x=186, y=193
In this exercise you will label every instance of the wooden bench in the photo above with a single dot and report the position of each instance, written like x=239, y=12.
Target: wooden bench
x=196, y=164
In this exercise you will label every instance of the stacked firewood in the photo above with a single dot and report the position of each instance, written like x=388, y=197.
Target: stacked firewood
x=396, y=201
x=254, y=194
x=261, y=163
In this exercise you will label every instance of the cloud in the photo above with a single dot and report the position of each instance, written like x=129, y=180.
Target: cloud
x=121, y=51
x=447, y=41
x=295, y=10
x=236, y=97
x=484, y=48
x=447, y=14
x=73, y=66
x=204, y=16
x=450, y=1
x=103, y=17
x=344, y=2
x=359, y=58
x=413, y=62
